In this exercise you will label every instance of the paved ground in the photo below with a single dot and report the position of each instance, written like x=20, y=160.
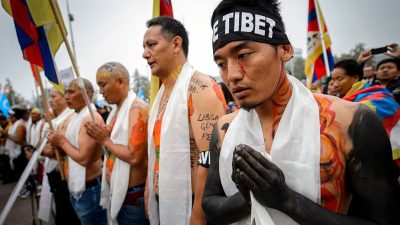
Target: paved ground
x=21, y=213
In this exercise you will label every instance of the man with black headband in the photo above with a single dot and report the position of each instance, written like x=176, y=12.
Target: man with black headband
x=288, y=156
x=180, y=125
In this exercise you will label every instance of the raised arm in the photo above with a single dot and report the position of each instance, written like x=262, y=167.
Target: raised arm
x=219, y=208
x=370, y=175
x=206, y=104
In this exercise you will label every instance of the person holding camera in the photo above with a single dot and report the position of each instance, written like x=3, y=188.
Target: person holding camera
x=388, y=75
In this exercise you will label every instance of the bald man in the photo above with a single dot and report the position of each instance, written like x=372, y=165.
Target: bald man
x=82, y=165
x=125, y=136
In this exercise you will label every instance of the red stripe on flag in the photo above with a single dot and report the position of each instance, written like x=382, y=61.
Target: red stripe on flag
x=22, y=19
x=166, y=8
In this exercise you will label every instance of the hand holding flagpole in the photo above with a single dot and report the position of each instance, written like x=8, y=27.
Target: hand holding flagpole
x=56, y=13
x=48, y=119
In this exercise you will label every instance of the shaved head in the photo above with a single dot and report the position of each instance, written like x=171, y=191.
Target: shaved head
x=113, y=69
x=88, y=86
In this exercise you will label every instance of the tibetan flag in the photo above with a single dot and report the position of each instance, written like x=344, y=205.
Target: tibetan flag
x=315, y=66
x=160, y=8
x=38, y=34
x=382, y=102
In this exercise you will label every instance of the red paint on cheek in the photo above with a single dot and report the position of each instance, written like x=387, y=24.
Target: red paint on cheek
x=241, y=67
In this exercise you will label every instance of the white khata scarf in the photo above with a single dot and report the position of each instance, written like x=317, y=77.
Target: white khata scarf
x=51, y=164
x=113, y=194
x=174, y=181
x=35, y=134
x=13, y=149
x=295, y=150
x=76, y=172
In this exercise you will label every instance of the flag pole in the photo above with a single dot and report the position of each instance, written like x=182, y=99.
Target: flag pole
x=81, y=85
x=154, y=81
x=48, y=118
x=56, y=13
x=321, y=34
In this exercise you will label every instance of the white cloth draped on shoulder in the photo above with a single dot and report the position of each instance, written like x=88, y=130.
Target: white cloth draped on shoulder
x=295, y=150
x=175, y=187
x=35, y=133
x=13, y=149
x=113, y=194
x=51, y=164
x=76, y=172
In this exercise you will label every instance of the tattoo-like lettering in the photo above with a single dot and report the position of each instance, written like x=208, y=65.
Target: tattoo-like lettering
x=207, y=117
x=193, y=153
x=199, y=83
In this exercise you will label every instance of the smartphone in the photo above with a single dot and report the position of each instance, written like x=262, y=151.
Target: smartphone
x=380, y=50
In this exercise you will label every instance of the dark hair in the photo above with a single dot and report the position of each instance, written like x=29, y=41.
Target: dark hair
x=19, y=113
x=2, y=118
x=390, y=60
x=171, y=28
x=270, y=6
x=351, y=68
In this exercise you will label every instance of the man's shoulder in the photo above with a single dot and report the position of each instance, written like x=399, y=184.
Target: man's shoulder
x=224, y=122
x=139, y=105
x=340, y=110
x=200, y=83
x=97, y=115
x=393, y=85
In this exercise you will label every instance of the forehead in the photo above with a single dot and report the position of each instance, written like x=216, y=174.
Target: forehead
x=388, y=64
x=338, y=72
x=103, y=75
x=153, y=32
x=73, y=87
x=55, y=92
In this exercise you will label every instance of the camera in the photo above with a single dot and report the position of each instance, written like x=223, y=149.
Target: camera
x=376, y=51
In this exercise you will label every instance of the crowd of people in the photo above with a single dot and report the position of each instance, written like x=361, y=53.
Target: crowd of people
x=259, y=148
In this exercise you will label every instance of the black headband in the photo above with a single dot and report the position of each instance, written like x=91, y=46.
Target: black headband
x=247, y=24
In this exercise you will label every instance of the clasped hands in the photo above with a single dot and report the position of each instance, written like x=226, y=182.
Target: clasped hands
x=253, y=172
x=100, y=133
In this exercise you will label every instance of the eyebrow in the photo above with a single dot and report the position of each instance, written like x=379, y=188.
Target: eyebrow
x=235, y=48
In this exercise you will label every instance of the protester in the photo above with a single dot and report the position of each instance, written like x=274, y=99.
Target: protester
x=125, y=136
x=35, y=128
x=16, y=138
x=82, y=165
x=4, y=159
x=333, y=179
x=346, y=74
x=65, y=214
x=34, y=131
x=369, y=74
x=102, y=110
x=389, y=76
x=180, y=125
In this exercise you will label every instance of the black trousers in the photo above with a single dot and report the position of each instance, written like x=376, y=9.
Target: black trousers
x=65, y=214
